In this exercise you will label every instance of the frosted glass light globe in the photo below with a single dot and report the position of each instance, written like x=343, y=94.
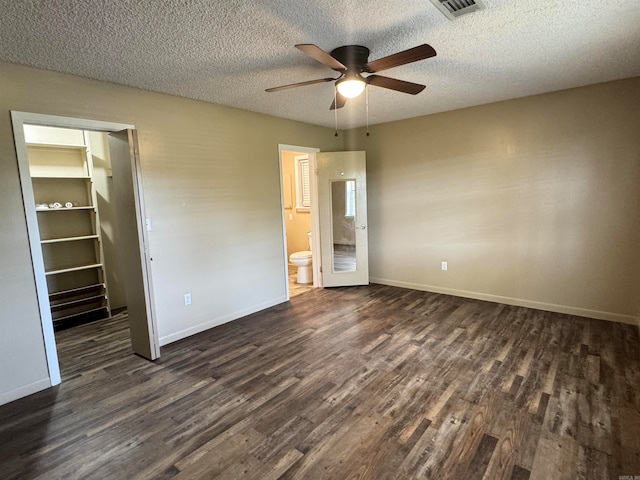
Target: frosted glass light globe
x=350, y=87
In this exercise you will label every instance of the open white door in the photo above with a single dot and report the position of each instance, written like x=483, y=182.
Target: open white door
x=342, y=201
x=123, y=147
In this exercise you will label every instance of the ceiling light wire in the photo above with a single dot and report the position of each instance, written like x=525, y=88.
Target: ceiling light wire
x=335, y=107
x=366, y=99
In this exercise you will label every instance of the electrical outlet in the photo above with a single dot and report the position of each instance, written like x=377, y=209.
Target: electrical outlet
x=187, y=299
x=444, y=265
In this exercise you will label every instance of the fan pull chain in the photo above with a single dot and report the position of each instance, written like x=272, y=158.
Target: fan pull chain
x=335, y=107
x=366, y=97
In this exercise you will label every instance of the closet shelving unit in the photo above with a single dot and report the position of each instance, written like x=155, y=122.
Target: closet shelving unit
x=69, y=235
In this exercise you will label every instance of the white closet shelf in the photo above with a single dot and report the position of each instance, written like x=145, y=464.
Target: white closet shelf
x=83, y=312
x=61, y=177
x=69, y=239
x=75, y=291
x=64, y=209
x=53, y=146
x=77, y=302
x=74, y=269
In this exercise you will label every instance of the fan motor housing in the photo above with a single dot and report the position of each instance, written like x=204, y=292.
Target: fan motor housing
x=352, y=56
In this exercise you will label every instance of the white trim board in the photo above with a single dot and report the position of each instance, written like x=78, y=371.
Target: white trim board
x=214, y=322
x=24, y=390
x=518, y=302
x=68, y=122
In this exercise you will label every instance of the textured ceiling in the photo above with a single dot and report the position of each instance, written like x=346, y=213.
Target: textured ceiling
x=228, y=52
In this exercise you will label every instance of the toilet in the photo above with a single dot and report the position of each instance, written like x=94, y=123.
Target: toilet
x=302, y=260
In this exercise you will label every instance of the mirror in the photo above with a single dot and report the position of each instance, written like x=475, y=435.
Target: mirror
x=343, y=213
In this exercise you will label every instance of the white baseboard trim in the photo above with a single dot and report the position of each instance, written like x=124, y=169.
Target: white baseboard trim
x=24, y=390
x=551, y=307
x=174, y=337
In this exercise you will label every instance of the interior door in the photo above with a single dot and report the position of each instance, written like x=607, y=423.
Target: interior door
x=125, y=164
x=342, y=202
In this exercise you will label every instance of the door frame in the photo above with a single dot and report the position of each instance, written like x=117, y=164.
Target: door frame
x=19, y=119
x=316, y=265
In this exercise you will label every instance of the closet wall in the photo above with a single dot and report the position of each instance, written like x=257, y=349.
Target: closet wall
x=108, y=218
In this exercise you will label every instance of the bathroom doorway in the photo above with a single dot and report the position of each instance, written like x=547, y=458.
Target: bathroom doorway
x=299, y=216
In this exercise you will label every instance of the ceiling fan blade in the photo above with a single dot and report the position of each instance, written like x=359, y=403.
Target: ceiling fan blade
x=401, y=58
x=320, y=55
x=395, y=84
x=299, y=84
x=338, y=102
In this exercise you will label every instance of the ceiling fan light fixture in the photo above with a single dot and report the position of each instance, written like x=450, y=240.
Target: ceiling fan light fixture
x=353, y=60
x=351, y=87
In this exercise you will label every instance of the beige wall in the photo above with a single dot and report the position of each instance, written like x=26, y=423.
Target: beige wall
x=533, y=201
x=211, y=188
x=297, y=223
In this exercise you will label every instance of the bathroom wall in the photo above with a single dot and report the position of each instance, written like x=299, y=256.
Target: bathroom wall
x=297, y=223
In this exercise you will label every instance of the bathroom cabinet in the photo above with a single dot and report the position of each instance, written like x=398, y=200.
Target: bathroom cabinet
x=69, y=227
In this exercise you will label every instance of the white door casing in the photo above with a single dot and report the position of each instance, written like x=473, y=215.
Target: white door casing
x=19, y=119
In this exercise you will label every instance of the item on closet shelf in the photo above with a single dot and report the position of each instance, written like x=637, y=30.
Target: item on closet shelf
x=41, y=206
x=68, y=205
x=55, y=205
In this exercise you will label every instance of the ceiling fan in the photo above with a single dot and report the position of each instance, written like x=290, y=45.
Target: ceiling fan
x=352, y=61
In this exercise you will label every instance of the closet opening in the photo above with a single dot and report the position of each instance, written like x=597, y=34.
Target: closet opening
x=73, y=194
x=85, y=215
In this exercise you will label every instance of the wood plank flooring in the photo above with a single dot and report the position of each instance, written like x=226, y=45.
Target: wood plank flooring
x=369, y=382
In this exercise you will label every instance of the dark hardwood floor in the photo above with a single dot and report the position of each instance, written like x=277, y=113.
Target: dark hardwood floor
x=367, y=382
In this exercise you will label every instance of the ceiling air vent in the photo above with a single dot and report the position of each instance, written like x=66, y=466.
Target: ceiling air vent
x=456, y=8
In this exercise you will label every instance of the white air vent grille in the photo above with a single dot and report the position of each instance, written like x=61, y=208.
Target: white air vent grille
x=455, y=8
